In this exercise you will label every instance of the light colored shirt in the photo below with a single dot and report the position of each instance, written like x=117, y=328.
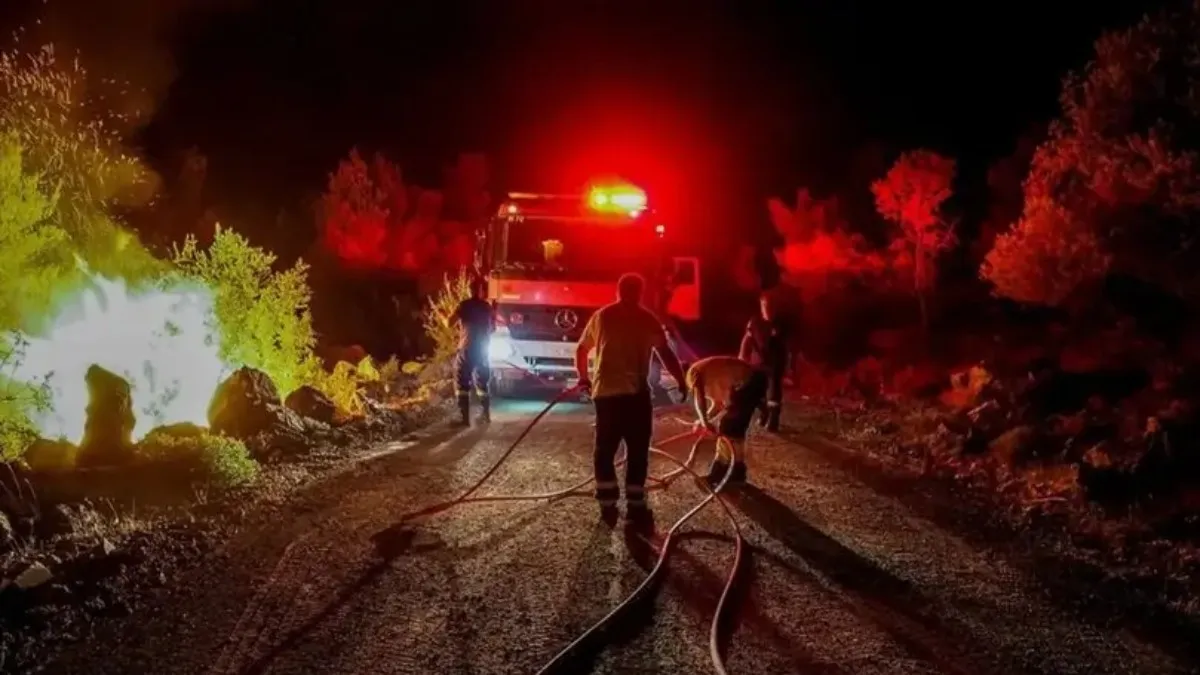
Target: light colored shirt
x=624, y=337
x=721, y=375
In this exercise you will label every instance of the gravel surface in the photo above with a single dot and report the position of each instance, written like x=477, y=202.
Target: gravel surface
x=839, y=579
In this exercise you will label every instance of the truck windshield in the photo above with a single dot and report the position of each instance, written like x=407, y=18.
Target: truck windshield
x=592, y=251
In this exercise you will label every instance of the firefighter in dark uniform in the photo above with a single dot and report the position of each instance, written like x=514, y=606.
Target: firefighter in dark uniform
x=476, y=319
x=766, y=343
x=624, y=335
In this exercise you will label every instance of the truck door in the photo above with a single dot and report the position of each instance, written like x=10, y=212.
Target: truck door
x=685, y=298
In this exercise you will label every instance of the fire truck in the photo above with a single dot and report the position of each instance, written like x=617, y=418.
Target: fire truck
x=552, y=260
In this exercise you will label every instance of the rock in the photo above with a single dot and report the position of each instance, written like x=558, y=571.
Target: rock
x=46, y=455
x=59, y=519
x=35, y=575
x=51, y=594
x=313, y=404
x=108, y=431
x=178, y=430
x=1013, y=446
x=247, y=405
x=104, y=548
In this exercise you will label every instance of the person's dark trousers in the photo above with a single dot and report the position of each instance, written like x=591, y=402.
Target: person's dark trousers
x=774, y=399
x=471, y=368
x=628, y=418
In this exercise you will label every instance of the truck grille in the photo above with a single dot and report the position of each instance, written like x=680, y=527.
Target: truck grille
x=538, y=323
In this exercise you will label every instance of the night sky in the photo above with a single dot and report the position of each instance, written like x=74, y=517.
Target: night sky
x=712, y=105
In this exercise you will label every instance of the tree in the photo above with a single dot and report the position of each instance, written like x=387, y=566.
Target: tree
x=354, y=214
x=1115, y=187
x=372, y=220
x=816, y=238
x=912, y=195
x=1006, y=197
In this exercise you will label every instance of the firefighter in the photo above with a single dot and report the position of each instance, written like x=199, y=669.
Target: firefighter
x=766, y=344
x=735, y=389
x=624, y=335
x=476, y=319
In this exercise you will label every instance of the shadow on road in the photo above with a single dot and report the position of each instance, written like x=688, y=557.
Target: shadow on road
x=390, y=544
x=702, y=590
x=892, y=603
x=593, y=573
x=633, y=619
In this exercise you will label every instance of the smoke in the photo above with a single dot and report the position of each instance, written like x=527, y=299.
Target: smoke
x=126, y=45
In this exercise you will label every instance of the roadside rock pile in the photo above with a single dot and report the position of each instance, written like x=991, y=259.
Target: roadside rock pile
x=247, y=406
x=1130, y=435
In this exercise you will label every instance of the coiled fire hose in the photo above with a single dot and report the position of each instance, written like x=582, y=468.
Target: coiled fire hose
x=683, y=467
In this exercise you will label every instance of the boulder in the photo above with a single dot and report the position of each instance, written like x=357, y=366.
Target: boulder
x=46, y=455
x=313, y=404
x=247, y=405
x=108, y=430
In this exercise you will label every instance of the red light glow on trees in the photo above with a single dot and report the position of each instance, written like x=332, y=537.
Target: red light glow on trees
x=372, y=220
x=912, y=195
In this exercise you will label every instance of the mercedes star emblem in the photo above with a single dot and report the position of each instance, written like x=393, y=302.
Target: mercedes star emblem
x=566, y=319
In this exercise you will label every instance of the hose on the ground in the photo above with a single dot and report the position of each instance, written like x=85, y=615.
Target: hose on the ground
x=714, y=647
x=466, y=498
x=683, y=467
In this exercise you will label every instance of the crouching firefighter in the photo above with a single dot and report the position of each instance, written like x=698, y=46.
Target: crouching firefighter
x=476, y=319
x=765, y=344
x=735, y=389
x=624, y=335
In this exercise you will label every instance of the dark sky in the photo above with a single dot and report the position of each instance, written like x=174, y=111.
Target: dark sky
x=712, y=105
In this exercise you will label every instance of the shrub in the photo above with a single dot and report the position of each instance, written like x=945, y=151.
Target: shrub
x=443, y=334
x=31, y=255
x=261, y=316
x=33, y=252
x=18, y=401
x=220, y=460
x=342, y=387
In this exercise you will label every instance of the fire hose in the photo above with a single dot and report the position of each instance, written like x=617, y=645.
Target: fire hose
x=664, y=550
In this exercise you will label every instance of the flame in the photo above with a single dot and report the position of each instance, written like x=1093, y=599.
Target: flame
x=158, y=339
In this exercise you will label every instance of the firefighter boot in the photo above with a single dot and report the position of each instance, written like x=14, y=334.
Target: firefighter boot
x=739, y=473
x=716, y=473
x=485, y=409
x=464, y=409
x=773, y=418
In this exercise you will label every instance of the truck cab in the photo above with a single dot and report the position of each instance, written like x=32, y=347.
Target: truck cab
x=552, y=260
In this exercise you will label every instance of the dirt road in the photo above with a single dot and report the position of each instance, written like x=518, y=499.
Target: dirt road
x=842, y=579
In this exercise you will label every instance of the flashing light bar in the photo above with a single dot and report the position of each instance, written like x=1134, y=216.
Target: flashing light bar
x=627, y=198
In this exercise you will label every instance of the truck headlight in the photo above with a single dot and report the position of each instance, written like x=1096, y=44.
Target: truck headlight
x=500, y=348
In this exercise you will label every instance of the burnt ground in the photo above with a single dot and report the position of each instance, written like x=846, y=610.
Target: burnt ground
x=845, y=575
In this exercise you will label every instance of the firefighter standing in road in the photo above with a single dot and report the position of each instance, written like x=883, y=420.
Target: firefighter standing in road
x=476, y=319
x=735, y=388
x=766, y=342
x=624, y=334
